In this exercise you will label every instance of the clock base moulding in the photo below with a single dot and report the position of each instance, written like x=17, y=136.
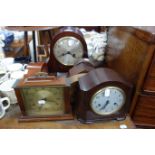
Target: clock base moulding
x=45, y=118
x=92, y=120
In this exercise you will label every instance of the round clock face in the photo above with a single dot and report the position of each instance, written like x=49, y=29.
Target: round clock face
x=108, y=100
x=68, y=50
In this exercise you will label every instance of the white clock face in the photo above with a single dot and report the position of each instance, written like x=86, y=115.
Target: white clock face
x=108, y=100
x=68, y=50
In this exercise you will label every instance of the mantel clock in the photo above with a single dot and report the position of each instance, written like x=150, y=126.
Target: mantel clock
x=44, y=98
x=68, y=46
x=103, y=95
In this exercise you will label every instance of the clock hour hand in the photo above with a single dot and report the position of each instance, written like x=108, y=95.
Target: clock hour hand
x=107, y=102
x=63, y=54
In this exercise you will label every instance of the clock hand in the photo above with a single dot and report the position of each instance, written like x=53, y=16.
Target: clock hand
x=44, y=100
x=107, y=102
x=63, y=54
x=74, y=55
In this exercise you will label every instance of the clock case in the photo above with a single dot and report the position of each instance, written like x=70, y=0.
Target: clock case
x=81, y=67
x=32, y=80
x=90, y=84
x=53, y=64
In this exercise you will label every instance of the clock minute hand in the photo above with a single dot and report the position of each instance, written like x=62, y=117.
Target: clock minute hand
x=107, y=102
x=63, y=54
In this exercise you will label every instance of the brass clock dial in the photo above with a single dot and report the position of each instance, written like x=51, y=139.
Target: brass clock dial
x=43, y=100
x=68, y=50
x=108, y=100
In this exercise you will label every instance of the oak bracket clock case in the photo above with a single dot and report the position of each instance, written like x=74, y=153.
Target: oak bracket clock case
x=103, y=95
x=44, y=98
x=67, y=47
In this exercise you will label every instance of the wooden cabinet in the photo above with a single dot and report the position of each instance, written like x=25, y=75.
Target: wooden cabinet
x=131, y=52
x=149, y=85
x=144, y=112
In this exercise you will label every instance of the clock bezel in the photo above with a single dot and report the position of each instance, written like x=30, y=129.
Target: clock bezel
x=53, y=64
x=65, y=64
x=102, y=89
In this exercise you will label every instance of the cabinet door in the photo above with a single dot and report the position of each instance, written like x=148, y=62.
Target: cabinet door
x=144, y=113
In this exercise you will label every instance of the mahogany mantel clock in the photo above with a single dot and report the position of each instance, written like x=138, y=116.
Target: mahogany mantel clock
x=68, y=46
x=103, y=95
x=44, y=98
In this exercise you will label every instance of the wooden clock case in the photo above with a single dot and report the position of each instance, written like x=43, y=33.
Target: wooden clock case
x=84, y=66
x=77, y=71
x=32, y=80
x=91, y=83
x=53, y=64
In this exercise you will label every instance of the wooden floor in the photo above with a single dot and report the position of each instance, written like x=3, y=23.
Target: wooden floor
x=10, y=121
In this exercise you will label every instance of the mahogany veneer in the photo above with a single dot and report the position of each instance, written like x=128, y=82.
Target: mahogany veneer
x=131, y=53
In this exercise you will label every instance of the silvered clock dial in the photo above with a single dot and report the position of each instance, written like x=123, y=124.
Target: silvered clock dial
x=108, y=100
x=68, y=50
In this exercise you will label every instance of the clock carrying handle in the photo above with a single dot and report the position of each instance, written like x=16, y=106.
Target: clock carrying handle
x=43, y=76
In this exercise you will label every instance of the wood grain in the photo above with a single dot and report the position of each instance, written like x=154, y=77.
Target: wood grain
x=130, y=53
x=126, y=53
x=144, y=113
